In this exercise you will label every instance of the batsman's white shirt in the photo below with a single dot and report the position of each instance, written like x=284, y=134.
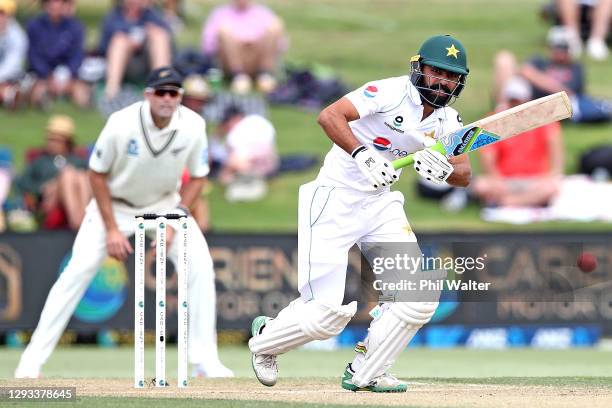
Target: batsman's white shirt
x=144, y=166
x=390, y=112
x=339, y=208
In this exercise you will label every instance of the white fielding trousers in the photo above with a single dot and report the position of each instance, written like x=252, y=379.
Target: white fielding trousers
x=88, y=253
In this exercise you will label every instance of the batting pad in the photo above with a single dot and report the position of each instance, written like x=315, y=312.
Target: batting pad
x=389, y=335
x=301, y=323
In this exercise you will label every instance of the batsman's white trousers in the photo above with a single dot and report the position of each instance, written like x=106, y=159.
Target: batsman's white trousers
x=331, y=220
x=88, y=253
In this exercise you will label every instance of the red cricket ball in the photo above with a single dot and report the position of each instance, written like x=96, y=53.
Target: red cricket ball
x=587, y=262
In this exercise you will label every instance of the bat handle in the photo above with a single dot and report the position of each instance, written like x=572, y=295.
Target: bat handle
x=409, y=160
x=403, y=162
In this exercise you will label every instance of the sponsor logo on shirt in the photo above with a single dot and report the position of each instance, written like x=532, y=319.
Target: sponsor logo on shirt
x=177, y=150
x=132, y=149
x=384, y=145
x=370, y=91
x=397, y=123
x=381, y=144
x=204, y=158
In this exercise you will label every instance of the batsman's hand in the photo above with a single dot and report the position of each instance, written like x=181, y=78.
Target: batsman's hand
x=117, y=245
x=432, y=165
x=378, y=170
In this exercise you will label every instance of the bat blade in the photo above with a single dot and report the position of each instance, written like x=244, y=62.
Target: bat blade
x=500, y=126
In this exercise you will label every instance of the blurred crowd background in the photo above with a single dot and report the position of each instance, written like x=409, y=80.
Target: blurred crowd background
x=260, y=71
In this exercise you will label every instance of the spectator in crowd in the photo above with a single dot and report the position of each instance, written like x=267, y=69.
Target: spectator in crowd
x=250, y=154
x=13, y=49
x=172, y=14
x=525, y=170
x=197, y=92
x=554, y=73
x=569, y=13
x=55, y=182
x=247, y=40
x=55, y=54
x=135, y=40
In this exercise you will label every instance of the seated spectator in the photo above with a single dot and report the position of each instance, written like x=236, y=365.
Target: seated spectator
x=135, y=40
x=13, y=49
x=247, y=40
x=569, y=14
x=197, y=93
x=56, y=181
x=525, y=170
x=56, y=52
x=250, y=154
x=554, y=73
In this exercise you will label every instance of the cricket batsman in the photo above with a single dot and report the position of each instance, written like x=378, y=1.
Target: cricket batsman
x=351, y=202
x=135, y=169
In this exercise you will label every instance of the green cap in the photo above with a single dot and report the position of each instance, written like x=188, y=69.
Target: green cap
x=445, y=52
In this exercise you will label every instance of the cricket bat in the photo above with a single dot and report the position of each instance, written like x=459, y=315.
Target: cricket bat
x=502, y=125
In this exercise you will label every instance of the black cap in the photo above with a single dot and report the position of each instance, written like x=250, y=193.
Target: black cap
x=164, y=76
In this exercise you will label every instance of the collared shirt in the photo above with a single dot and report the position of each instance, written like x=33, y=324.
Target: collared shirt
x=13, y=49
x=144, y=164
x=248, y=25
x=115, y=22
x=52, y=45
x=390, y=112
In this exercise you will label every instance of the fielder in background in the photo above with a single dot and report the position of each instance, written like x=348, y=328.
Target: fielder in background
x=135, y=169
x=351, y=202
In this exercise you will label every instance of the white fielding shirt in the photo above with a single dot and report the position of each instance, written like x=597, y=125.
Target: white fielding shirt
x=390, y=113
x=144, y=164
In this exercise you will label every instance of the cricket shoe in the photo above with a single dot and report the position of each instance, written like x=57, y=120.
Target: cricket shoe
x=25, y=371
x=382, y=383
x=264, y=365
x=216, y=370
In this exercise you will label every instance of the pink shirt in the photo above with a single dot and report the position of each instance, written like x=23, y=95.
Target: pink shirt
x=248, y=25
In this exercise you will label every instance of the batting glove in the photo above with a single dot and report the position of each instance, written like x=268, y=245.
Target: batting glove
x=378, y=170
x=432, y=165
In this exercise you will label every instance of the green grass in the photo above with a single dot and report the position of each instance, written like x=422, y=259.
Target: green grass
x=576, y=370
x=361, y=40
x=585, y=366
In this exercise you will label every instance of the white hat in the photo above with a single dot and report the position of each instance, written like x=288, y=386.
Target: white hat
x=559, y=37
x=517, y=88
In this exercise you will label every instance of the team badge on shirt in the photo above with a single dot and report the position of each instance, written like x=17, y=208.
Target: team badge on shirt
x=132, y=149
x=381, y=144
x=370, y=91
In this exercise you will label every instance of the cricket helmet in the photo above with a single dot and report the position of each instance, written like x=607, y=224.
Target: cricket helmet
x=443, y=52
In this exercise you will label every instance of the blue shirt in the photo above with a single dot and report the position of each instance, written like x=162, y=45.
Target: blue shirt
x=57, y=44
x=115, y=22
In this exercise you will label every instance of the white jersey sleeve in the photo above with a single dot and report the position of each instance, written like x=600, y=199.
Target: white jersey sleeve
x=378, y=96
x=105, y=151
x=452, y=121
x=197, y=162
